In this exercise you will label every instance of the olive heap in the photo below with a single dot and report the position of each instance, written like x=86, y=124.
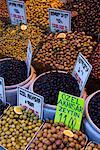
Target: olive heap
x=94, y=109
x=37, y=11
x=3, y=106
x=51, y=137
x=14, y=41
x=49, y=85
x=95, y=62
x=16, y=130
x=60, y=50
x=87, y=18
x=13, y=71
x=93, y=146
x=3, y=11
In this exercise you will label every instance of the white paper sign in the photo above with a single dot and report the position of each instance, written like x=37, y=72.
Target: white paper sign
x=17, y=11
x=2, y=90
x=29, y=57
x=60, y=20
x=30, y=100
x=82, y=71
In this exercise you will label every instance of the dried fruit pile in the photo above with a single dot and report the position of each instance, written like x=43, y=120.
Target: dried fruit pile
x=49, y=85
x=52, y=137
x=94, y=109
x=87, y=19
x=16, y=130
x=13, y=71
x=37, y=11
x=60, y=51
x=2, y=107
x=93, y=146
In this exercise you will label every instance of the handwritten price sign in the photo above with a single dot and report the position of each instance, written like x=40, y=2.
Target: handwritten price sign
x=30, y=100
x=69, y=110
x=60, y=20
x=81, y=71
x=17, y=12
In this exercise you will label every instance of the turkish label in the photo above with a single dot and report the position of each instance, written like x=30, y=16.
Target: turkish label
x=30, y=100
x=2, y=90
x=29, y=57
x=69, y=110
x=82, y=71
x=17, y=11
x=60, y=20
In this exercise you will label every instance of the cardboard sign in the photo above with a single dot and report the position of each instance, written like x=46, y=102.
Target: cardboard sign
x=82, y=71
x=60, y=20
x=29, y=57
x=2, y=90
x=30, y=100
x=69, y=110
x=17, y=12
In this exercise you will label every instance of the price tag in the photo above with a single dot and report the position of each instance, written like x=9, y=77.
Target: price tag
x=17, y=11
x=60, y=20
x=81, y=71
x=29, y=57
x=30, y=100
x=69, y=110
x=2, y=90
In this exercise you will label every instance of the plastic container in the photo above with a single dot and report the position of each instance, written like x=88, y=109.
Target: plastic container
x=92, y=131
x=49, y=110
x=11, y=91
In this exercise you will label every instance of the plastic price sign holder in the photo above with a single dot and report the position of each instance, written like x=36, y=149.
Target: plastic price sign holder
x=17, y=12
x=69, y=110
x=30, y=100
x=59, y=20
x=29, y=57
x=82, y=70
x=2, y=90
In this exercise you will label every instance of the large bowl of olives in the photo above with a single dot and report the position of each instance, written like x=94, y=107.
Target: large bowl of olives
x=92, y=121
x=49, y=84
x=14, y=72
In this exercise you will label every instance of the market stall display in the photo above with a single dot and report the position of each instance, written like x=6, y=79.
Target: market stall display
x=57, y=136
x=92, y=121
x=60, y=51
x=20, y=128
x=17, y=129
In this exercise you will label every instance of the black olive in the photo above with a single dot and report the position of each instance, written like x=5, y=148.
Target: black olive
x=51, y=83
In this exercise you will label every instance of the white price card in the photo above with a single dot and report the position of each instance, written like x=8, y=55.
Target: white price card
x=2, y=90
x=29, y=57
x=30, y=100
x=60, y=20
x=17, y=12
x=82, y=70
